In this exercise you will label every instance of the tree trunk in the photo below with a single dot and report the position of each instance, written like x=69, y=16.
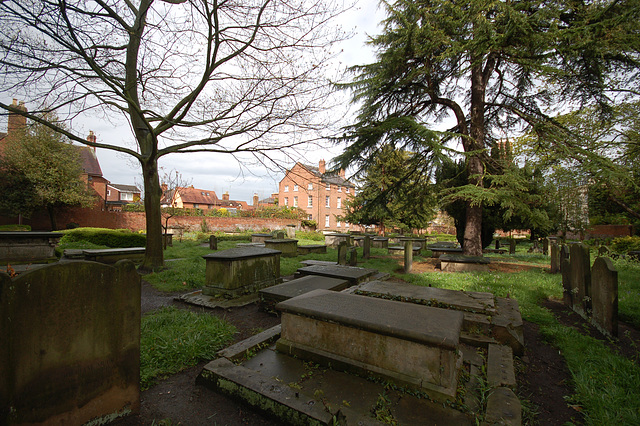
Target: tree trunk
x=154, y=255
x=472, y=245
x=52, y=217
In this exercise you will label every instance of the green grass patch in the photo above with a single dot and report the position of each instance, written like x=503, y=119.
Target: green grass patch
x=173, y=339
x=628, y=291
x=179, y=275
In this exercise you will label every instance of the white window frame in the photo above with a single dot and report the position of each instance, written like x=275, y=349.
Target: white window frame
x=295, y=201
x=339, y=203
x=338, y=224
x=126, y=196
x=286, y=201
x=339, y=189
x=310, y=201
x=328, y=187
x=295, y=188
x=327, y=201
x=327, y=221
x=310, y=186
x=286, y=188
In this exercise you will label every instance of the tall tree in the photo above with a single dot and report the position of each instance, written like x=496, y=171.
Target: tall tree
x=188, y=75
x=391, y=194
x=40, y=168
x=492, y=67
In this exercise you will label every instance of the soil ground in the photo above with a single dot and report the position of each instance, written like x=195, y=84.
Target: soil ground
x=543, y=378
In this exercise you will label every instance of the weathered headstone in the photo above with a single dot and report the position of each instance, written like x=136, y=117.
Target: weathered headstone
x=291, y=231
x=567, y=293
x=497, y=244
x=408, y=256
x=366, y=248
x=581, y=278
x=604, y=296
x=512, y=246
x=555, y=258
x=280, y=235
x=564, y=254
x=342, y=253
x=545, y=246
x=213, y=242
x=353, y=256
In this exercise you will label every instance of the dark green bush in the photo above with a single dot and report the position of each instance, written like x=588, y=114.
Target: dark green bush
x=115, y=238
x=9, y=228
x=624, y=245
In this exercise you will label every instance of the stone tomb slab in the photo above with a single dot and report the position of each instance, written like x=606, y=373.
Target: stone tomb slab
x=497, y=319
x=28, y=247
x=241, y=270
x=410, y=344
x=353, y=274
x=288, y=247
x=114, y=255
x=459, y=263
x=313, y=248
x=281, y=292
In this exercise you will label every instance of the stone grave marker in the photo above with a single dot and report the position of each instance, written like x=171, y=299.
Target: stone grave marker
x=567, y=293
x=213, y=242
x=280, y=235
x=580, y=278
x=604, y=296
x=342, y=253
x=564, y=254
x=353, y=256
x=497, y=244
x=366, y=248
x=408, y=256
x=512, y=246
x=555, y=258
x=545, y=246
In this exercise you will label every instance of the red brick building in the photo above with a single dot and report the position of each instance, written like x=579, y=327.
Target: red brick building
x=320, y=193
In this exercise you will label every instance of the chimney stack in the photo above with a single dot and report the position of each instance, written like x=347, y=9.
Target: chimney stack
x=322, y=167
x=16, y=122
x=92, y=138
x=255, y=200
x=225, y=196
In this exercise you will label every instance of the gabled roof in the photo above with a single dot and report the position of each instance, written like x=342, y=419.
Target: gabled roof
x=90, y=164
x=125, y=188
x=332, y=178
x=198, y=196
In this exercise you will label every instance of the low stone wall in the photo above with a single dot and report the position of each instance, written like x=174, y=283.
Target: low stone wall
x=70, y=351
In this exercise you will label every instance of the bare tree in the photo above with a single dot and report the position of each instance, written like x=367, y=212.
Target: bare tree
x=170, y=182
x=188, y=75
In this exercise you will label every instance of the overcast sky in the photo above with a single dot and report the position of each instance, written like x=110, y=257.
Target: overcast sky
x=219, y=172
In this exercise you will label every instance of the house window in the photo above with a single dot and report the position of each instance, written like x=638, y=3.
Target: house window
x=310, y=217
x=346, y=189
x=339, y=224
x=339, y=203
x=310, y=186
x=327, y=201
x=310, y=202
x=295, y=201
x=286, y=201
x=339, y=189
x=286, y=188
x=346, y=224
x=326, y=221
x=328, y=187
x=295, y=188
x=108, y=192
x=126, y=196
x=195, y=206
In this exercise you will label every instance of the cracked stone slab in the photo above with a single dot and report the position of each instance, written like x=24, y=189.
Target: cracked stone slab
x=199, y=299
x=503, y=408
x=500, y=370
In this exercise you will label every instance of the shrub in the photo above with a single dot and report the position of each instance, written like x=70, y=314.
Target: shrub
x=624, y=245
x=115, y=238
x=310, y=235
x=133, y=207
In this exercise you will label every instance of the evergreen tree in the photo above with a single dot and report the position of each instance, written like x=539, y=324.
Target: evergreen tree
x=492, y=66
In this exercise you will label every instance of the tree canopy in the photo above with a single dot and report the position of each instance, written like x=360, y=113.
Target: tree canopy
x=40, y=168
x=187, y=75
x=493, y=69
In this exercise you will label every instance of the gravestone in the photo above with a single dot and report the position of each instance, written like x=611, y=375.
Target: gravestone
x=70, y=344
x=555, y=258
x=408, y=256
x=545, y=246
x=261, y=238
x=497, y=244
x=291, y=231
x=564, y=254
x=580, y=278
x=512, y=246
x=366, y=248
x=342, y=253
x=213, y=242
x=353, y=256
x=280, y=235
x=567, y=293
x=604, y=296
x=380, y=242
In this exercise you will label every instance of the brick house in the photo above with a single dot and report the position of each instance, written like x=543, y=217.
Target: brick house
x=118, y=195
x=320, y=193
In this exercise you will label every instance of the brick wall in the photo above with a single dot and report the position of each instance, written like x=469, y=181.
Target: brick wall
x=609, y=231
x=136, y=221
